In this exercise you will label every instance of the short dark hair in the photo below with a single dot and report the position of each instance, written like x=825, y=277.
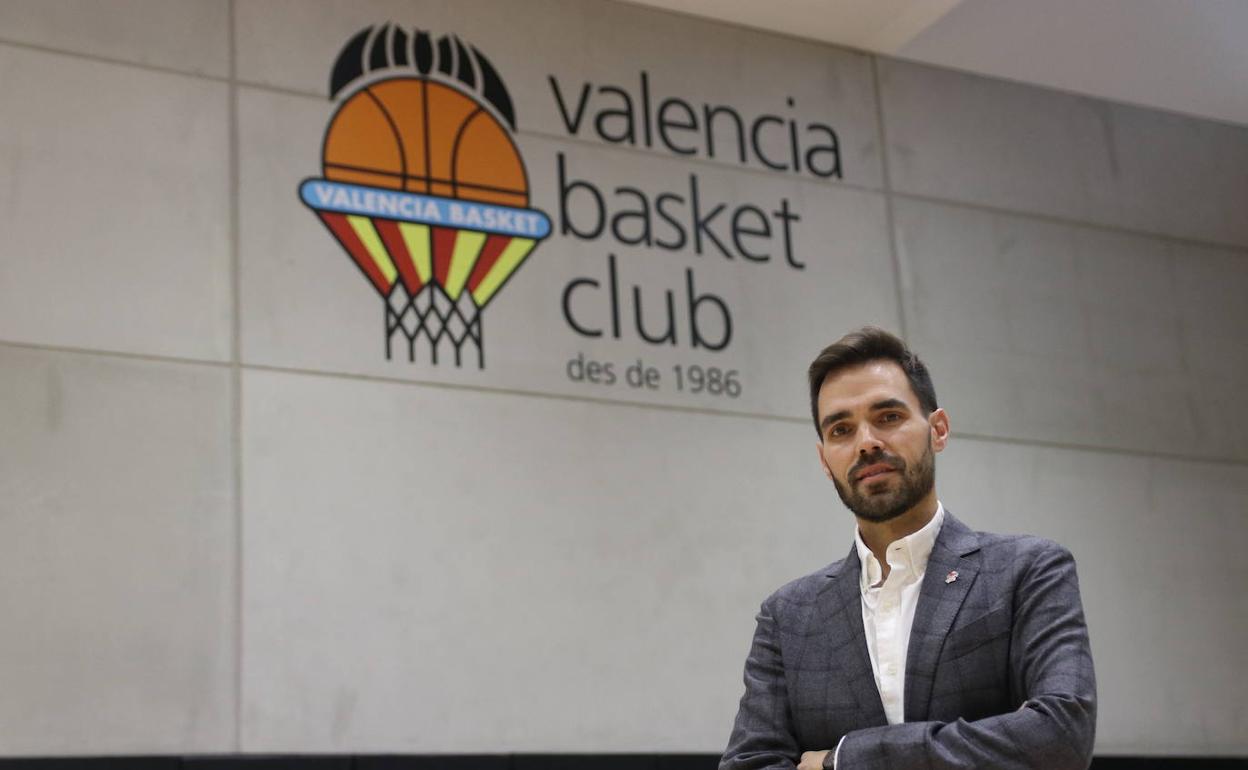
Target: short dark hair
x=860, y=346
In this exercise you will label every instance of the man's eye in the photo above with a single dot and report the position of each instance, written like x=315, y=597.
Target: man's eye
x=890, y=417
x=838, y=430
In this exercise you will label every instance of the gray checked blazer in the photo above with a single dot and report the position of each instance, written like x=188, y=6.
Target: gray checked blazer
x=998, y=671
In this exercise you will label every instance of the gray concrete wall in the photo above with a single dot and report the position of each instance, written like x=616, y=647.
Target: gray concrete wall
x=228, y=523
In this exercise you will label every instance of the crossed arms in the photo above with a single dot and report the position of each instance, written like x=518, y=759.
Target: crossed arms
x=1050, y=676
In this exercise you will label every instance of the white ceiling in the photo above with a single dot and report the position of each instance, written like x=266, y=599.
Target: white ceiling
x=1186, y=56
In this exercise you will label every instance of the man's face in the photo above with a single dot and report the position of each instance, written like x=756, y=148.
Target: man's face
x=877, y=446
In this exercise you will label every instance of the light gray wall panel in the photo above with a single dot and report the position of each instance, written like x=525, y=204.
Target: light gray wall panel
x=1064, y=334
x=974, y=139
x=996, y=143
x=116, y=556
x=602, y=44
x=431, y=570
x=306, y=305
x=1176, y=175
x=1210, y=290
x=187, y=35
x=115, y=207
x=1158, y=546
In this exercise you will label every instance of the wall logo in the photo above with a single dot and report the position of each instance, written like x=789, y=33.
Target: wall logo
x=423, y=186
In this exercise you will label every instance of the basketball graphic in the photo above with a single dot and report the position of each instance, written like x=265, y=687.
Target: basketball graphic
x=423, y=186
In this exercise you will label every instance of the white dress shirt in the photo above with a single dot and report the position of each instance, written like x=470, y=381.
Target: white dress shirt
x=888, y=609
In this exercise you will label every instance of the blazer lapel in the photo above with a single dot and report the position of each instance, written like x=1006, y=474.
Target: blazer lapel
x=839, y=615
x=940, y=598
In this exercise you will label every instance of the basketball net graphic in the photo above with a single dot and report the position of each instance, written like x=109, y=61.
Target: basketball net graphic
x=423, y=186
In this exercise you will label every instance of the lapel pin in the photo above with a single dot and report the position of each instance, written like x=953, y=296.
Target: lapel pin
x=952, y=576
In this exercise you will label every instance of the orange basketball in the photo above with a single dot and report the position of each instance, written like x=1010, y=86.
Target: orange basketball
x=424, y=137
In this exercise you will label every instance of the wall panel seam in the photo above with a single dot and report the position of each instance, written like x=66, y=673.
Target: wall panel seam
x=502, y=391
x=1239, y=249
x=102, y=59
x=886, y=180
x=119, y=354
x=236, y=378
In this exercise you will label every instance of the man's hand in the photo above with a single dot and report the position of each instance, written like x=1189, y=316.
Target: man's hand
x=813, y=760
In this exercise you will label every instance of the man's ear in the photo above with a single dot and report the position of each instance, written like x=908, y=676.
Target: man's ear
x=822, y=462
x=938, y=423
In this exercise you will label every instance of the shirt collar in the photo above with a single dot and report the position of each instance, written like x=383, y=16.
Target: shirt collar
x=911, y=551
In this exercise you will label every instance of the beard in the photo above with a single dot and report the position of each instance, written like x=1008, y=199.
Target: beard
x=915, y=482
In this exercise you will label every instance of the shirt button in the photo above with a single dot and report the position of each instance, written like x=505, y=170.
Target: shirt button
x=890, y=669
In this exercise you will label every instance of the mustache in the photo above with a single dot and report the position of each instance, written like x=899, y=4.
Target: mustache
x=896, y=463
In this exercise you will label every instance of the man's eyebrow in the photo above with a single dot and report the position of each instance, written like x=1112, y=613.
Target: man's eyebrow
x=826, y=421
x=889, y=403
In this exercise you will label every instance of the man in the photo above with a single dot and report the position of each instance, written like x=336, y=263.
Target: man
x=930, y=645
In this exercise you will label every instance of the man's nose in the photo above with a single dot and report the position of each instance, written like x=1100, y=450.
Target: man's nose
x=868, y=442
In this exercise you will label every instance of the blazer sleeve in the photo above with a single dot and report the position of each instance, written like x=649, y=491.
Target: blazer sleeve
x=1055, y=727
x=762, y=736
